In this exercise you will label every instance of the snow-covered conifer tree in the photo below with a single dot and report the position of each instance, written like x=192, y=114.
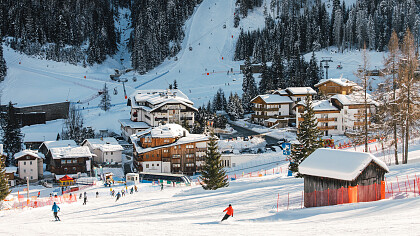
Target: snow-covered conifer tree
x=213, y=175
x=105, y=103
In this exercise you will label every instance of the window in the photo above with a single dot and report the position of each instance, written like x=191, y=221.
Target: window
x=24, y=170
x=233, y=164
x=153, y=164
x=157, y=155
x=166, y=140
x=32, y=177
x=112, y=153
x=189, y=155
x=176, y=156
x=147, y=165
x=174, y=147
x=74, y=168
x=63, y=161
x=69, y=161
x=74, y=161
x=147, y=156
x=65, y=169
x=190, y=146
x=165, y=150
x=157, y=164
x=32, y=170
x=189, y=165
x=176, y=165
x=298, y=99
x=30, y=162
x=24, y=163
x=112, y=160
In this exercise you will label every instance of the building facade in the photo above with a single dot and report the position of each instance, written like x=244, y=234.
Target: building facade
x=276, y=109
x=70, y=160
x=169, y=149
x=331, y=86
x=106, y=150
x=340, y=114
x=30, y=165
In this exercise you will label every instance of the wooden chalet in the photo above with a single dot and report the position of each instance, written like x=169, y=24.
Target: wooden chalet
x=70, y=160
x=169, y=149
x=335, y=86
x=335, y=177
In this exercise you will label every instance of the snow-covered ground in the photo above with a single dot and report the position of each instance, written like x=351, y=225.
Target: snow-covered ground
x=194, y=211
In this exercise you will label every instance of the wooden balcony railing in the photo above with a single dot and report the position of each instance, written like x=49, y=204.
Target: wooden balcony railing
x=326, y=119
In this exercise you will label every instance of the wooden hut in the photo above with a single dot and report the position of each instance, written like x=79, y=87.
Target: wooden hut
x=335, y=177
x=66, y=181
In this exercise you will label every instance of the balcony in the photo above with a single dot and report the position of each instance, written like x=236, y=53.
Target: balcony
x=327, y=127
x=326, y=119
x=264, y=109
x=267, y=117
x=360, y=123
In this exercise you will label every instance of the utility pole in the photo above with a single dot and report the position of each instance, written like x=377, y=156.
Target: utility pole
x=326, y=60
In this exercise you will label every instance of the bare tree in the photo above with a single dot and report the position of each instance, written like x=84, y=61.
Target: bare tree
x=363, y=75
x=388, y=95
x=409, y=89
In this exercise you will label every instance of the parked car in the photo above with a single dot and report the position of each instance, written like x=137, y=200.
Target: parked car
x=246, y=150
x=227, y=152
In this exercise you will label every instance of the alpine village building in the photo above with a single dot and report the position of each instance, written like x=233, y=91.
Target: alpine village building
x=277, y=108
x=169, y=149
x=151, y=108
x=344, y=112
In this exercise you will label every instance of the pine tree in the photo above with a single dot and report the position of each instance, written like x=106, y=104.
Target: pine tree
x=12, y=136
x=249, y=87
x=4, y=186
x=3, y=66
x=213, y=175
x=308, y=135
x=175, y=86
x=105, y=103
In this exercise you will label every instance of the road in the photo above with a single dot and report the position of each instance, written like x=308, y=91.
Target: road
x=242, y=132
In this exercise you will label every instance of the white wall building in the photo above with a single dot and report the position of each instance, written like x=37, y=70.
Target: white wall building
x=107, y=150
x=340, y=114
x=30, y=164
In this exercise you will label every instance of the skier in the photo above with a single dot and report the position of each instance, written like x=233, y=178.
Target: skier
x=135, y=188
x=97, y=194
x=84, y=200
x=118, y=196
x=229, y=212
x=161, y=187
x=131, y=190
x=39, y=193
x=56, y=209
x=113, y=193
x=80, y=196
x=122, y=193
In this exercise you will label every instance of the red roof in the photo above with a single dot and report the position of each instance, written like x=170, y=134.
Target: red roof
x=66, y=178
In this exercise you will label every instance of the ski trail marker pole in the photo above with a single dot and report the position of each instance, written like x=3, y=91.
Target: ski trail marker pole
x=278, y=197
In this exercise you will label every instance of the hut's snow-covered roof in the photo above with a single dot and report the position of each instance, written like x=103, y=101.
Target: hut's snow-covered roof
x=28, y=152
x=338, y=164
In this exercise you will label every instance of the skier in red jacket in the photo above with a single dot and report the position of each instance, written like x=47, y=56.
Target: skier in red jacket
x=229, y=212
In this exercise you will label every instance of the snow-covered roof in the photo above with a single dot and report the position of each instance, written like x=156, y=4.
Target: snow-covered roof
x=70, y=152
x=273, y=98
x=272, y=120
x=173, y=101
x=107, y=144
x=167, y=131
x=59, y=143
x=39, y=137
x=282, y=92
x=320, y=105
x=300, y=90
x=338, y=164
x=28, y=152
x=111, y=148
x=157, y=97
x=340, y=81
x=11, y=169
x=355, y=98
x=97, y=142
x=133, y=124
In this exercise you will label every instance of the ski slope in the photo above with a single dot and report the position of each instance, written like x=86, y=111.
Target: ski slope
x=194, y=211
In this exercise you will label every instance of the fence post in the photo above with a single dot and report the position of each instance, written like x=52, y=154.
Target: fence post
x=278, y=197
x=301, y=201
x=392, y=190
x=408, y=183
x=315, y=199
x=406, y=188
x=399, y=190
x=376, y=193
x=287, y=201
x=342, y=195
